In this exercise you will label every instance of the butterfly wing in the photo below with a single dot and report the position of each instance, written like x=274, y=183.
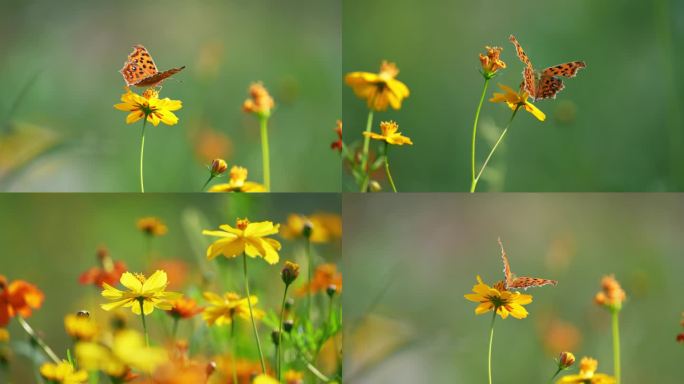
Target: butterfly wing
x=529, y=282
x=529, y=78
x=508, y=278
x=157, y=78
x=549, y=84
x=566, y=69
x=138, y=66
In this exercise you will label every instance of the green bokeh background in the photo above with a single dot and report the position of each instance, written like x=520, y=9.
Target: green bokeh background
x=424, y=255
x=616, y=127
x=74, y=49
x=49, y=240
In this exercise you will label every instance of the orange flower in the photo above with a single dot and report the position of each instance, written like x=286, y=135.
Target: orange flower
x=491, y=63
x=379, y=89
x=18, y=297
x=246, y=369
x=184, y=308
x=611, y=295
x=325, y=276
x=108, y=272
x=152, y=226
x=338, y=144
x=260, y=101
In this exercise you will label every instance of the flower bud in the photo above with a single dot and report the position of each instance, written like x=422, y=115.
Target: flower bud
x=275, y=336
x=331, y=290
x=211, y=367
x=218, y=166
x=374, y=186
x=566, y=360
x=289, y=272
x=288, y=325
x=307, y=229
x=289, y=303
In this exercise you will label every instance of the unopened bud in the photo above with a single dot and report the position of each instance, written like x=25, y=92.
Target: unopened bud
x=275, y=336
x=566, y=360
x=290, y=272
x=218, y=166
x=288, y=325
x=211, y=367
x=289, y=303
x=331, y=290
x=374, y=186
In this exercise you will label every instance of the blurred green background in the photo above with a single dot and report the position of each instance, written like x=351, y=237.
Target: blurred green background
x=59, y=63
x=420, y=256
x=51, y=239
x=616, y=127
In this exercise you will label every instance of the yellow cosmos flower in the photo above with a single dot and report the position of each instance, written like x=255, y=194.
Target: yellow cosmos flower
x=379, y=89
x=587, y=374
x=63, y=373
x=149, y=106
x=128, y=350
x=237, y=182
x=499, y=299
x=390, y=134
x=325, y=227
x=80, y=327
x=222, y=310
x=250, y=238
x=148, y=291
x=517, y=100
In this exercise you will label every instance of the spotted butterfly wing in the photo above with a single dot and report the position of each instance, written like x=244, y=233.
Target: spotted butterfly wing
x=513, y=282
x=140, y=70
x=529, y=76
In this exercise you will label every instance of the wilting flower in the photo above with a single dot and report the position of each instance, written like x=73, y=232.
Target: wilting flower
x=218, y=166
x=152, y=226
x=379, y=89
x=149, y=106
x=128, y=350
x=587, y=374
x=18, y=298
x=290, y=272
x=63, y=373
x=248, y=238
x=390, y=134
x=260, y=101
x=149, y=293
x=516, y=100
x=184, y=308
x=80, y=327
x=237, y=182
x=338, y=144
x=323, y=227
x=325, y=275
x=293, y=377
x=223, y=309
x=612, y=295
x=491, y=63
x=108, y=272
x=498, y=299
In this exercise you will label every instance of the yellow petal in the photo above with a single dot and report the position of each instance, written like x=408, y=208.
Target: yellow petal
x=229, y=247
x=484, y=308
x=529, y=107
x=260, y=229
x=134, y=116
x=131, y=282
x=156, y=282
x=116, y=304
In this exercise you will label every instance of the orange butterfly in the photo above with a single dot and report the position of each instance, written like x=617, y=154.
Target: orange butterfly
x=513, y=282
x=139, y=69
x=546, y=84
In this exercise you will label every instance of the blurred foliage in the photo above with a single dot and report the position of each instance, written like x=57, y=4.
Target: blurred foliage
x=617, y=126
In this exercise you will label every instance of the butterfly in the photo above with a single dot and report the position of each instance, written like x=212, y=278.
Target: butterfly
x=544, y=84
x=139, y=69
x=513, y=282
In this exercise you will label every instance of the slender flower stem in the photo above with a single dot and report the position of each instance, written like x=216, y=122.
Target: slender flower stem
x=233, y=346
x=491, y=339
x=174, y=332
x=251, y=315
x=473, y=186
x=211, y=177
x=265, y=159
x=616, y=344
x=142, y=155
x=142, y=314
x=34, y=336
x=477, y=117
x=279, y=347
x=309, y=271
x=387, y=171
x=555, y=374
x=364, y=154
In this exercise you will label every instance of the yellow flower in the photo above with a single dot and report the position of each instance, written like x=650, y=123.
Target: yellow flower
x=148, y=291
x=324, y=227
x=499, y=299
x=62, y=373
x=238, y=182
x=80, y=327
x=260, y=102
x=379, y=89
x=517, y=100
x=128, y=349
x=247, y=237
x=390, y=134
x=152, y=226
x=265, y=379
x=294, y=377
x=222, y=310
x=587, y=374
x=149, y=106
x=491, y=63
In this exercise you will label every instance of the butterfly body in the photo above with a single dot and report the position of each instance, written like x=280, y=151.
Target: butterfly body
x=513, y=282
x=546, y=83
x=139, y=69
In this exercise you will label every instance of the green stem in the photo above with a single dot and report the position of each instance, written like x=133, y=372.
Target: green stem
x=174, y=332
x=309, y=298
x=387, y=171
x=233, y=346
x=264, y=153
x=491, y=339
x=616, y=345
x=144, y=323
x=477, y=117
x=93, y=377
x=473, y=186
x=279, y=347
x=251, y=315
x=142, y=155
x=364, y=154
x=211, y=177
x=34, y=336
x=555, y=374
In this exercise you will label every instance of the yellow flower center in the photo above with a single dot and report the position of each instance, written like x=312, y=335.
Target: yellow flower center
x=242, y=224
x=140, y=277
